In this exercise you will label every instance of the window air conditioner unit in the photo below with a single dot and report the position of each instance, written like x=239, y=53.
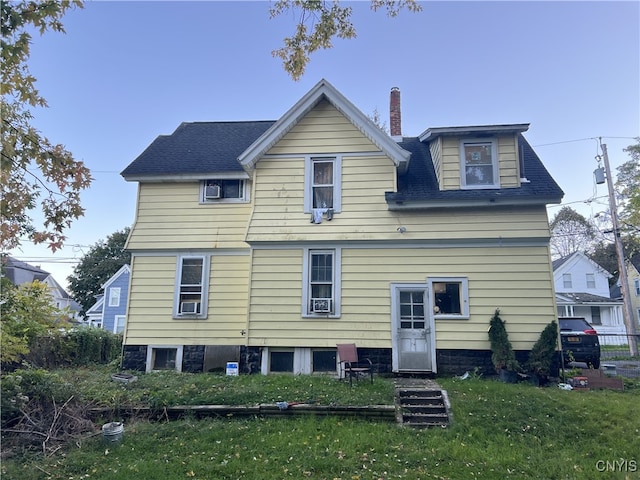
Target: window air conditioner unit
x=212, y=192
x=189, y=307
x=321, y=305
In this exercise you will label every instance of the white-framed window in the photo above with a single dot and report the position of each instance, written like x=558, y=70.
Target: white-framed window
x=636, y=285
x=223, y=190
x=566, y=280
x=449, y=297
x=321, y=290
x=479, y=164
x=164, y=357
x=323, y=183
x=591, y=280
x=191, y=287
x=114, y=296
x=118, y=323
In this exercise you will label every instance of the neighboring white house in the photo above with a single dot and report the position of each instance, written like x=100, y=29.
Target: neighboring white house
x=582, y=290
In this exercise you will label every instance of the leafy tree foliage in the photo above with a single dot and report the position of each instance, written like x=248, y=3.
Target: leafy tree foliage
x=570, y=233
x=59, y=178
x=319, y=21
x=628, y=185
x=26, y=311
x=604, y=254
x=96, y=267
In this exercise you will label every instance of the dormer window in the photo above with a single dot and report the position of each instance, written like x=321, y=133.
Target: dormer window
x=217, y=190
x=479, y=164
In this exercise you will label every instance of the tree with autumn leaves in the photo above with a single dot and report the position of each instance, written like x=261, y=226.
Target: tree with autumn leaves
x=35, y=173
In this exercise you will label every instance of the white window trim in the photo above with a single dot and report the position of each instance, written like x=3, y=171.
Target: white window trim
x=245, y=192
x=337, y=181
x=590, y=278
x=115, y=322
x=114, y=296
x=206, y=261
x=636, y=284
x=567, y=281
x=337, y=282
x=464, y=286
x=494, y=159
x=151, y=348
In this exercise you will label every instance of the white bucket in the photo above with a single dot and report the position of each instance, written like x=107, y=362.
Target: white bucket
x=112, y=432
x=232, y=368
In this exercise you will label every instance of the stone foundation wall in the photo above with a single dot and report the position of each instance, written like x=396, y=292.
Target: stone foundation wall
x=380, y=357
x=134, y=357
x=250, y=359
x=193, y=358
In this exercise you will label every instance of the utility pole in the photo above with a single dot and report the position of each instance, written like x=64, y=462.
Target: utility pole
x=627, y=311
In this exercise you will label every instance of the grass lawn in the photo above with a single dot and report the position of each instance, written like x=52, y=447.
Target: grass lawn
x=499, y=431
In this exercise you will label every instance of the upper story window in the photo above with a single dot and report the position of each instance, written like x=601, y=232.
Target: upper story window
x=322, y=184
x=636, y=285
x=219, y=190
x=566, y=280
x=191, y=287
x=114, y=297
x=322, y=282
x=479, y=164
x=591, y=280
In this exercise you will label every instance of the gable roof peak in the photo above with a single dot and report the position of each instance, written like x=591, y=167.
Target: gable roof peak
x=323, y=90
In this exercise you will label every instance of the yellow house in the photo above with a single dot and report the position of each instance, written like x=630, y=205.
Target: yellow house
x=268, y=243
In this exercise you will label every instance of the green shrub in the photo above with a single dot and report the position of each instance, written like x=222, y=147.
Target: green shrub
x=502, y=354
x=30, y=387
x=76, y=347
x=543, y=351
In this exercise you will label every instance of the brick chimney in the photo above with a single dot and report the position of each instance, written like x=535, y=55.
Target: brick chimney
x=394, y=114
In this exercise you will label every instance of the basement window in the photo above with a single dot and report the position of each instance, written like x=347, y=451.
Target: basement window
x=281, y=361
x=324, y=361
x=164, y=357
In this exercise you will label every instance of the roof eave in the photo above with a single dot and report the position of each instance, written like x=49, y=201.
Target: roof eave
x=472, y=130
x=323, y=90
x=398, y=203
x=188, y=177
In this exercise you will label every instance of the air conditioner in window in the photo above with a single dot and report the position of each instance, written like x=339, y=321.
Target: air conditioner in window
x=189, y=307
x=212, y=192
x=321, y=305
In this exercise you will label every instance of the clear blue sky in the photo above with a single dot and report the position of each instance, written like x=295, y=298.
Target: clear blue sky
x=126, y=72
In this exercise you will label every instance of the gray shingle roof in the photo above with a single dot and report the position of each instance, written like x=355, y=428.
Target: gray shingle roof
x=200, y=148
x=197, y=148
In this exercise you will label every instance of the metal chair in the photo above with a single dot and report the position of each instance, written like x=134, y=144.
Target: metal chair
x=350, y=365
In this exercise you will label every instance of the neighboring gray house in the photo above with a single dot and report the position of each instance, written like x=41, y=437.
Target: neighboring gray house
x=582, y=290
x=110, y=310
x=19, y=273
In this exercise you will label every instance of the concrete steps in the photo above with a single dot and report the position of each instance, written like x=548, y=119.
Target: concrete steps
x=422, y=407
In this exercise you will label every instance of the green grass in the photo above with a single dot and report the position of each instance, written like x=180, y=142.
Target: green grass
x=161, y=389
x=499, y=431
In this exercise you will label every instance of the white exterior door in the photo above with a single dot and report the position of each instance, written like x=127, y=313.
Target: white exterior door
x=412, y=329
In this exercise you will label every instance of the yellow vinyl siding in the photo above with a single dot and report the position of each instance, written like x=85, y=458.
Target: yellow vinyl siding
x=150, y=317
x=323, y=130
x=515, y=279
x=170, y=216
